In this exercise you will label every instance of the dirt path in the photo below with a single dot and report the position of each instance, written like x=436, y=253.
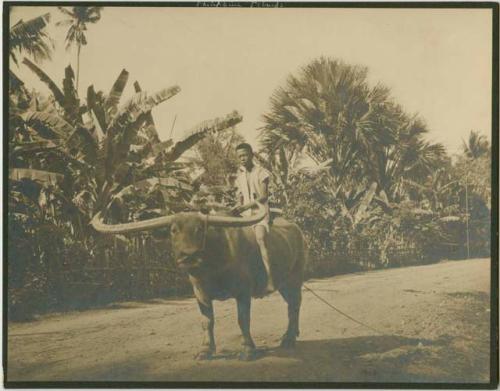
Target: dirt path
x=435, y=319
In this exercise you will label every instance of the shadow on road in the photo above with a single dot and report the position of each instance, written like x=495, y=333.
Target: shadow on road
x=387, y=358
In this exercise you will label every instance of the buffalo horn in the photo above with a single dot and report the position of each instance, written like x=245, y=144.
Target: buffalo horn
x=159, y=222
x=228, y=221
x=135, y=226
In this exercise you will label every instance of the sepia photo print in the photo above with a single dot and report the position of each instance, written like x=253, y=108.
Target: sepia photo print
x=250, y=195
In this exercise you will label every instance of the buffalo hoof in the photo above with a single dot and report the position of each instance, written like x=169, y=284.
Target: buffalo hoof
x=287, y=342
x=205, y=355
x=248, y=354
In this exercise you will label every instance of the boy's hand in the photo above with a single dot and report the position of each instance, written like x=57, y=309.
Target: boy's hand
x=237, y=210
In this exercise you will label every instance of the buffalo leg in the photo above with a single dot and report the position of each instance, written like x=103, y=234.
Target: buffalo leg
x=208, y=345
x=293, y=297
x=248, y=346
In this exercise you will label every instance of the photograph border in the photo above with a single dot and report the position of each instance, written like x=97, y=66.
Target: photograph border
x=494, y=353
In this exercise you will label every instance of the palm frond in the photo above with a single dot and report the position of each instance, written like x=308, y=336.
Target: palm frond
x=31, y=38
x=476, y=145
x=365, y=202
x=15, y=83
x=66, y=12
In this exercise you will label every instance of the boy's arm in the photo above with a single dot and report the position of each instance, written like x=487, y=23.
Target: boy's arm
x=263, y=196
x=264, y=191
x=263, y=186
x=240, y=201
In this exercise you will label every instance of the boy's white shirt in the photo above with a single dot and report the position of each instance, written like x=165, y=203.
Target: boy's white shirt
x=248, y=184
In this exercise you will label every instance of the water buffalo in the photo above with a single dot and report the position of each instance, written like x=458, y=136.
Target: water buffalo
x=222, y=259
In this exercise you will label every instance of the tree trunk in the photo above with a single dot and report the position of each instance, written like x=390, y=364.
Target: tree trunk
x=77, y=67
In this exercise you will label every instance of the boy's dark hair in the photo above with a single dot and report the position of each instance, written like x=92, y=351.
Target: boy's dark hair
x=245, y=146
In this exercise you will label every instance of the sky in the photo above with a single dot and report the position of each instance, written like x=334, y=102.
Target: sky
x=437, y=63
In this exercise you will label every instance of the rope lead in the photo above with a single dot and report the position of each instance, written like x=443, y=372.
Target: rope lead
x=341, y=312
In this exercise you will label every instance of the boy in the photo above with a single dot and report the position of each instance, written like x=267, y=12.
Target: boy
x=253, y=189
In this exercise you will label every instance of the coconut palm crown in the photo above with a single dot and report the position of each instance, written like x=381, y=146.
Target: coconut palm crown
x=31, y=38
x=78, y=19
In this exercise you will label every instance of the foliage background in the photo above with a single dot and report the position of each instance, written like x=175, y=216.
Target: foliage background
x=348, y=165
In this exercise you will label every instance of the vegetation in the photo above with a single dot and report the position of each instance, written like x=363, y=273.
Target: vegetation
x=378, y=193
x=31, y=38
x=78, y=18
x=69, y=159
x=348, y=165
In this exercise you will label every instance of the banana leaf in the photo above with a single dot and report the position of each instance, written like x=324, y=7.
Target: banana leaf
x=150, y=151
x=33, y=147
x=39, y=176
x=48, y=125
x=56, y=91
x=132, y=115
x=124, y=127
x=83, y=142
x=137, y=86
x=97, y=126
x=149, y=128
x=146, y=186
x=111, y=102
x=95, y=104
x=198, y=132
x=71, y=101
x=161, y=146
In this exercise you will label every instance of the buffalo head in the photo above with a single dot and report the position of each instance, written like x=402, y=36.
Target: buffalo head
x=188, y=231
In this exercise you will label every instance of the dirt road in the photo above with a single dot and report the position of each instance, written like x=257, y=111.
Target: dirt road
x=435, y=321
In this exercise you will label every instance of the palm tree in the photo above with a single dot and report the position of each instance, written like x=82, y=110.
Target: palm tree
x=79, y=17
x=477, y=145
x=406, y=158
x=329, y=112
x=30, y=37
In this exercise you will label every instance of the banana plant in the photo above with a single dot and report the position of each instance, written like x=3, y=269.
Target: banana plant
x=66, y=97
x=118, y=145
